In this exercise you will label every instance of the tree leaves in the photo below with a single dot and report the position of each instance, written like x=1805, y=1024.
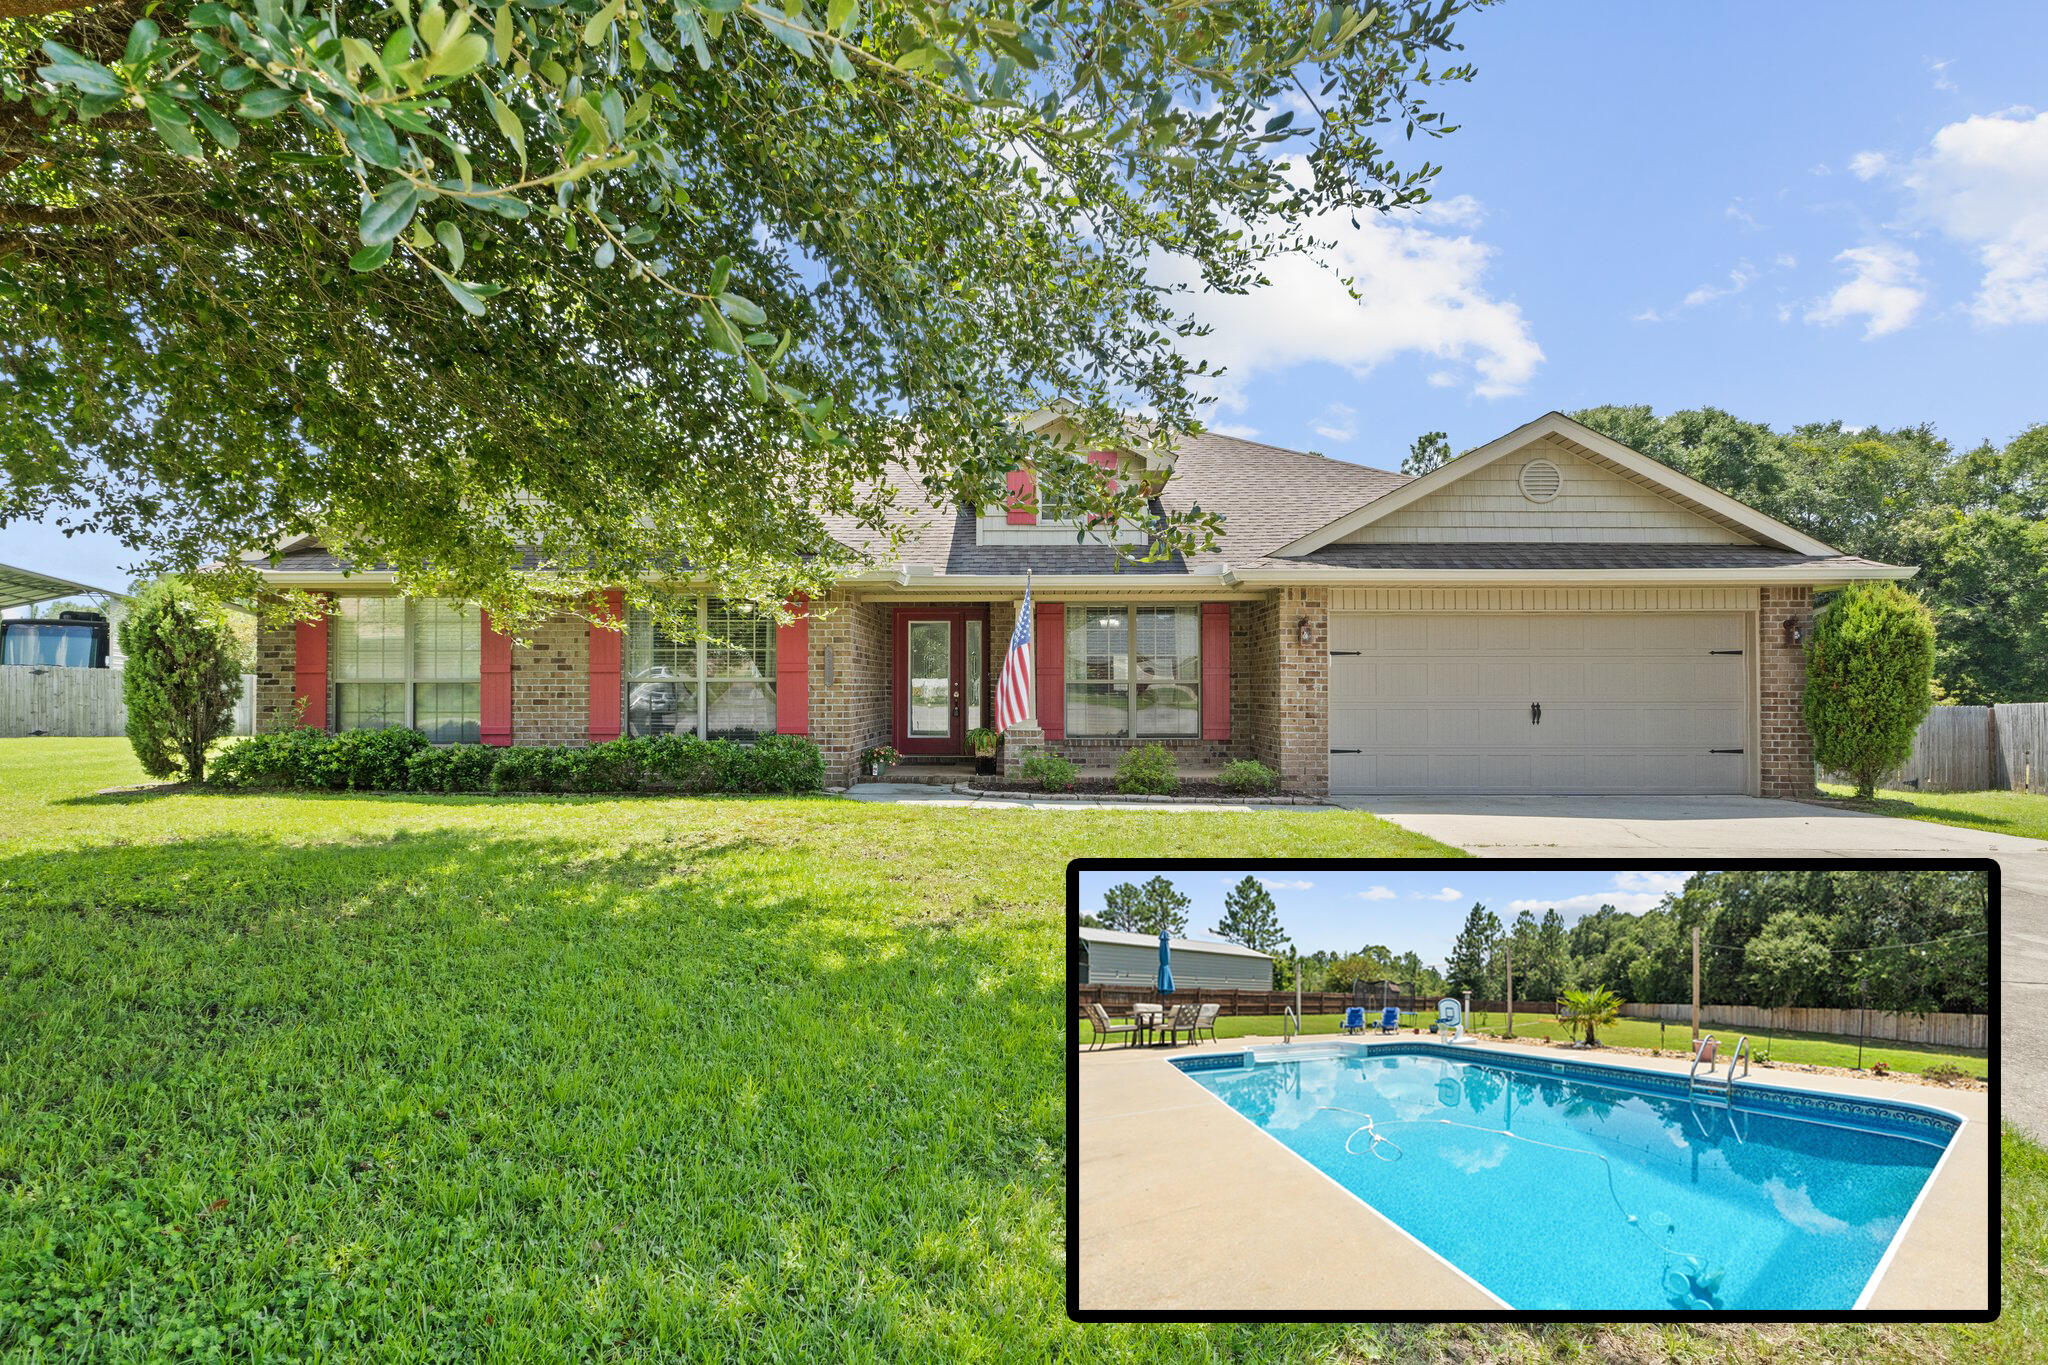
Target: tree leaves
x=385, y=216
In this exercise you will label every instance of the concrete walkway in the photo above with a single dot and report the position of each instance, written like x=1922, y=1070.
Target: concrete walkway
x=1184, y=1205
x=1746, y=827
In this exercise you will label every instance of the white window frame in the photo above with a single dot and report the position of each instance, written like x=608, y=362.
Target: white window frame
x=1130, y=669
x=410, y=679
x=702, y=680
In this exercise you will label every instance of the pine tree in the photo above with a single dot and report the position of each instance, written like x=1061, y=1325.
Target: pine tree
x=1146, y=909
x=1249, y=919
x=1472, y=952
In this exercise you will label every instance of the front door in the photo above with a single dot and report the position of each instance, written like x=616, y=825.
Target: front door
x=940, y=676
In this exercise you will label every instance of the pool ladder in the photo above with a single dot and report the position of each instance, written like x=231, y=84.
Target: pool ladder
x=1289, y=1026
x=1716, y=1092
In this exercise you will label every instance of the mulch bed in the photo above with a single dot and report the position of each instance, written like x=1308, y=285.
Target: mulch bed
x=1190, y=789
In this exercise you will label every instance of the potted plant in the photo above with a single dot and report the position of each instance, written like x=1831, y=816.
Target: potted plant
x=878, y=760
x=983, y=742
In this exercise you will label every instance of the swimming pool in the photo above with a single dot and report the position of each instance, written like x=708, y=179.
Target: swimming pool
x=1574, y=1186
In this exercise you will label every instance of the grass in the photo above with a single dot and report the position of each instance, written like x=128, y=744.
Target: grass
x=532, y=1078
x=2021, y=813
x=1814, y=1049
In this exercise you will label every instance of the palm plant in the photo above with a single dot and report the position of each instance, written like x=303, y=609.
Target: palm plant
x=1594, y=1009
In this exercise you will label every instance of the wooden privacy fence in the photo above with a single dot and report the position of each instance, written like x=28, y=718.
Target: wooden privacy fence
x=1116, y=998
x=1978, y=748
x=1938, y=1030
x=35, y=700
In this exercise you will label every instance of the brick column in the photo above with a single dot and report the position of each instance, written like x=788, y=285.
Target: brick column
x=551, y=683
x=1786, y=762
x=1289, y=680
x=849, y=676
x=277, y=657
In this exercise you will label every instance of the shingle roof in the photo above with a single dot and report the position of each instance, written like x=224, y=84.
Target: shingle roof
x=1568, y=555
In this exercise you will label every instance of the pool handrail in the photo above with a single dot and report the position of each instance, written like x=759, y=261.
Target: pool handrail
x=1289, y=1026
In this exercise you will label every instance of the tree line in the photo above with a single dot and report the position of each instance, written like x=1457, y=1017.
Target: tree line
x=1913, y=941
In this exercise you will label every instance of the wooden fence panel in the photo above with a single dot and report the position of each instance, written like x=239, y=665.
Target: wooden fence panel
x=35, y=700
x=1977, y=748
x=1934, y=1030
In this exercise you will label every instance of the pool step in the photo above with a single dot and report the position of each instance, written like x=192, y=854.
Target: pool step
x=1711, y=1091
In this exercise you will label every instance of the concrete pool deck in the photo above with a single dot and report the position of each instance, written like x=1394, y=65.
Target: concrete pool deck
x=1185, y=1206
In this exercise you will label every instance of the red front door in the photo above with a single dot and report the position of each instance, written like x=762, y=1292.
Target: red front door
x=941, y=670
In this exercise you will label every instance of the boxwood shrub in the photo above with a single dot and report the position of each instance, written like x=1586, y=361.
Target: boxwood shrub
x=403, y=760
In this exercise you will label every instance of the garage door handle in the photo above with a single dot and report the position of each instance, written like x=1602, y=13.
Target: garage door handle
x=1724, y=751
x=1347, y=751
x=1535, y=713
x=1346, y=653
x=1724, y=651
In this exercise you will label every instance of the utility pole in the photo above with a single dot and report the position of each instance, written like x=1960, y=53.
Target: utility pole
x=1695, y=988
x=1511, y=990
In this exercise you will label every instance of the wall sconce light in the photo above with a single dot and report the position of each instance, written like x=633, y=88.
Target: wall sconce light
x=1794, y=633
x=1303, y=629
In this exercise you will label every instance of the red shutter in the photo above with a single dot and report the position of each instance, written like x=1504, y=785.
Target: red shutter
x=1049, y=631
x=309, y=666
x=1216, y=670
x=793, y=672
x=606, y=706
x=494, y=704
x=1105, y=460
x=1022, y=498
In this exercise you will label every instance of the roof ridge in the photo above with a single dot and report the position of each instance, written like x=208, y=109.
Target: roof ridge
x=1307, y=454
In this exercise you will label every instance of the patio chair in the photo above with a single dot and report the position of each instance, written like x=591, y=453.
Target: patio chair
x=1205, y=1018
x=1181, y=1020
x=1390, y=1020
x=1354, y=1020
x=1099, y=1019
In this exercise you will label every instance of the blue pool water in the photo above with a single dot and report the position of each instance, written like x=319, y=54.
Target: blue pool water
x=1526, y=1174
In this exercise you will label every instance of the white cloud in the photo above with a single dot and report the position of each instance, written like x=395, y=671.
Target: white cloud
x=1460, y=210
x=1984, y=183
x=1784, y=260
x=1338, y=423
x=1742, y=215
x=1376, y=893
x=1419, y=292
x=1739, y=279
x=1883, y=288
x=1650, y=881
x=1447, y=894
x=1237, y=429
x=1281, y=884
x=1940, y=70
x=1868, y=165
x=1442, y=379
x=1633, y=893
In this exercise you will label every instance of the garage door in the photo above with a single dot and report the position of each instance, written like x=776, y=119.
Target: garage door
x=1548, y=702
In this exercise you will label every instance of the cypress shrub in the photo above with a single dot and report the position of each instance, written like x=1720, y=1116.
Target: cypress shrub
x=1869, y=670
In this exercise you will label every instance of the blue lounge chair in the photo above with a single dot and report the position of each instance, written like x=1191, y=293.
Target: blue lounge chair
x=1354, y=1020
x=1390, y=1020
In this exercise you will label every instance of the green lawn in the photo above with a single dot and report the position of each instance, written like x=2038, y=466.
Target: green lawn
x=530, y=1078
x=2021, y=813
x=1817, y=1049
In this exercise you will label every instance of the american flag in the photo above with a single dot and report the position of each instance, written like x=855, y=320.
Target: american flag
x=1013, y=688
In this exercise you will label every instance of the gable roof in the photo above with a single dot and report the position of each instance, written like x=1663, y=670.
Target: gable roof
x=1178, y=945
x=1582, y=440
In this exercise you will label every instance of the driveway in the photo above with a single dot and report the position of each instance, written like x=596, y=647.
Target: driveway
x=1746, y=827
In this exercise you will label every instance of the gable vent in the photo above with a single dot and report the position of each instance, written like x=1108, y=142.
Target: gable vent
x=1540, y=481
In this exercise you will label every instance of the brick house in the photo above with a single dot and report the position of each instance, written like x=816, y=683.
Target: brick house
x=1550, y=613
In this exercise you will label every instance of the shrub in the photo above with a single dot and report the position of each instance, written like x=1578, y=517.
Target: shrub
x=780, y=763
x=372, y=760
x=1944, y=1073
x=690, y=764
x=1247, y=776
x=1051, y=772
x=529, y=769
x=1147, y=770
x=1868, y=668
x=183, y=674
x=284, y=758
x=457, y=768
x=618, y=765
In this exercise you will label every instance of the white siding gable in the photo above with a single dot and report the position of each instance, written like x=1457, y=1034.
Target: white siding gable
x=1597, y=502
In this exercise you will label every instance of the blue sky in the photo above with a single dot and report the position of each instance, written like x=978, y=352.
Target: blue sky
x=1418, y=912
x=1795, y=212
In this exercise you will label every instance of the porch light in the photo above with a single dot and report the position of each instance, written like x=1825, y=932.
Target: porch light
x=1793, y=633
x=1303, y=629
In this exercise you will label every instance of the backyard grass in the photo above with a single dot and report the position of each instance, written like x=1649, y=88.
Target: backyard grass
x=2021, y=813
x=1814, y=1049
x=535, y=1078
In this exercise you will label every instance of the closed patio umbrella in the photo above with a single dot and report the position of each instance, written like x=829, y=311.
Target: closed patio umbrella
x=1165, y=965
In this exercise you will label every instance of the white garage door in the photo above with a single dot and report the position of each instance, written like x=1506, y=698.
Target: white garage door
x=1546, y=702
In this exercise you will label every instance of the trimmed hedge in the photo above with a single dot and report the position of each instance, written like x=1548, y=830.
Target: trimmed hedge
x=403, y=760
